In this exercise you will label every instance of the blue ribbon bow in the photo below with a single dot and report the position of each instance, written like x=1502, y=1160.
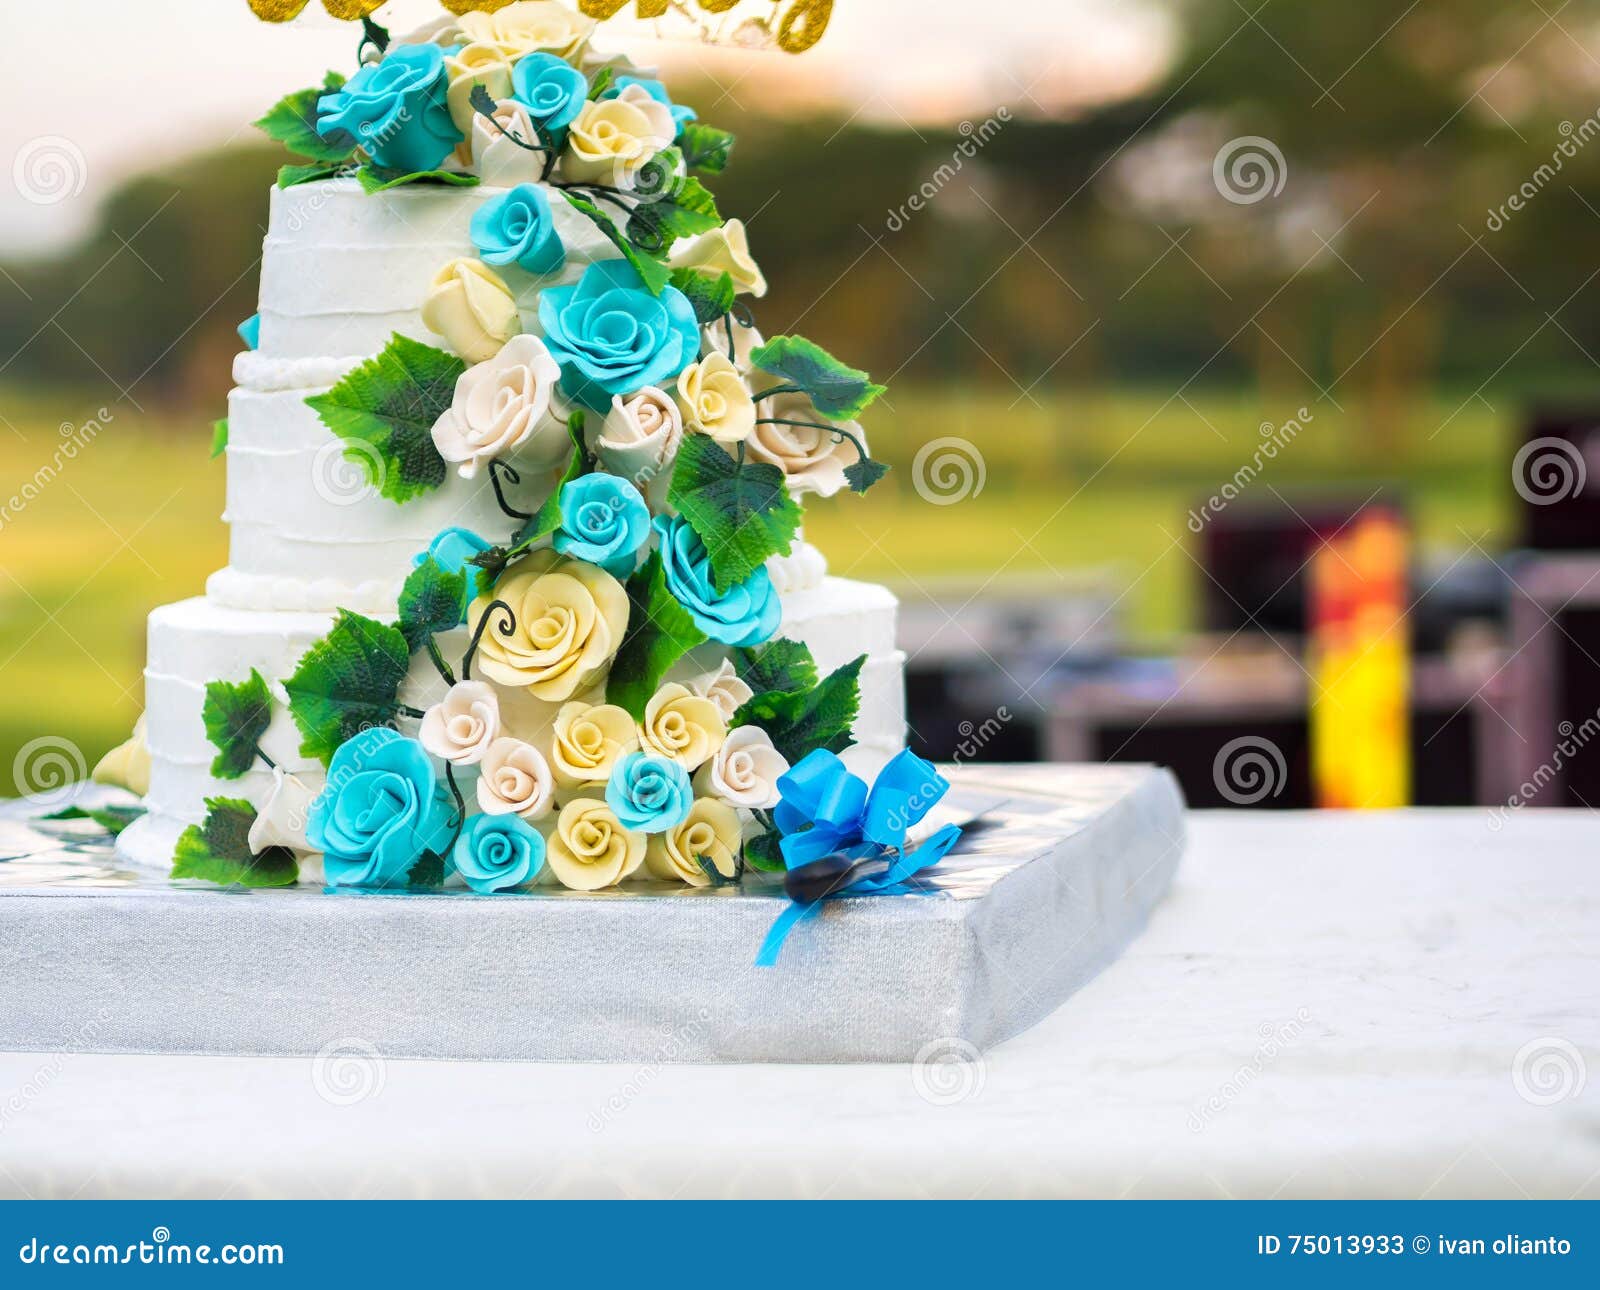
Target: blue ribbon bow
x=842, y=838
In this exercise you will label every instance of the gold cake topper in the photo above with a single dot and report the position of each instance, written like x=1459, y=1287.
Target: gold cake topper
x=792, y=25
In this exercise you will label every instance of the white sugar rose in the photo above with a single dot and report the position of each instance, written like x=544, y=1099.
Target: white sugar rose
x=470, y=305
x=812, y=460
x=714, y=340
x=501, y=162
x=515, y=779
x=679, y=724
x=716, y=401
x=724, y=688
x=570, y=620
x=612, y=138
x=718, y=251
x=502, y=404
x=589, y=740
x=462, y=725
x=589, y=849
x=528, y=26
x=711, y=832
x=480, y=63
x=281, y=821
x=745, y=771
x=640, y=436
x=128, y=764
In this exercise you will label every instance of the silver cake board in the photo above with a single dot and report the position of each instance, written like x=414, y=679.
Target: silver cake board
x=1057, y=872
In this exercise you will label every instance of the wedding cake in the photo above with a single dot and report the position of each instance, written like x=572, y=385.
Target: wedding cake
x=516, y=588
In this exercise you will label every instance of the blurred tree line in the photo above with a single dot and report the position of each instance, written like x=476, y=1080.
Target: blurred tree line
x=1102, y=248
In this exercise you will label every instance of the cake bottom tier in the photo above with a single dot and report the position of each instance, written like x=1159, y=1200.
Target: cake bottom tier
x=196, y=641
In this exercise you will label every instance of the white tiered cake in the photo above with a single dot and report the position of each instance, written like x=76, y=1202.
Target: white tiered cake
x=341, y=271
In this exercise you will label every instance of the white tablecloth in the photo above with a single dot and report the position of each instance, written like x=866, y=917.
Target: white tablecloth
x=1380, y=1005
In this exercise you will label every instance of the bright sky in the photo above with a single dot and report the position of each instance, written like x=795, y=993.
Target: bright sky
x=172, y=75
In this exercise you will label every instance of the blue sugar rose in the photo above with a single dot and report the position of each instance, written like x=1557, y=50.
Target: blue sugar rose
x=250, y=331
x=518, y=228
x=453, y=548
x=611, y=336
x=681, y=113
x=743, y=615
x=648, y=793
x=395, y=109
x=605, y=521
x=498, y=852
x=552, y=90
x=382, y=809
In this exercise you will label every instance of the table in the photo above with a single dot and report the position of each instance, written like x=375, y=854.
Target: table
x=1326, y=1005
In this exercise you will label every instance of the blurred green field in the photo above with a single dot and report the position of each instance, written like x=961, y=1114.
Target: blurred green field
x=1071, y=481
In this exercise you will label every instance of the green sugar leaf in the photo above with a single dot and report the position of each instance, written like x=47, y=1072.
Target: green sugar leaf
x=655, y=274
x=377, y=179
x=763, y=853
x=219, y=850
x=292, y=121
x=236, y=716
x=835, y=389
x=711, y=297
x=705, y=148
x=433, y=600
x=384, y=410
x=801, y=721
x=428, y=874
x=289, y=176
x=779, y=664
x=219, y=437
x=112, y=818
x=742, y=511
x=660, y=632
x=862, y=473
x=346, y=683
x=683, y=210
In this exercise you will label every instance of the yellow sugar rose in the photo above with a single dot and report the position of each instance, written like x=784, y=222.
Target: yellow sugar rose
x=715, y=399
x=682, y=725
x=589, y=849
x=523, y=27
x=472, y=308
x=472, y=65
x=721, y=250
x=570, y=620
x=711, y=832
x=588, y=741
x=612, y=138
x=128, y=764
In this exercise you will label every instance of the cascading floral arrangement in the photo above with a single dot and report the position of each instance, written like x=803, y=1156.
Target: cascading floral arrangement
x=622, y=705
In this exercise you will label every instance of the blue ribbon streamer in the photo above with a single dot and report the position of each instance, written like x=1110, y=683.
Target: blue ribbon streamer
x=841, y=838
